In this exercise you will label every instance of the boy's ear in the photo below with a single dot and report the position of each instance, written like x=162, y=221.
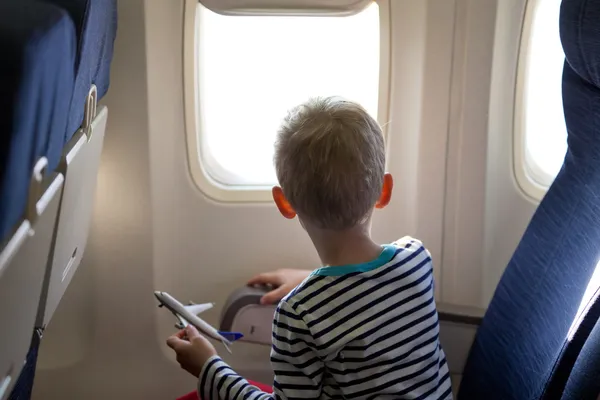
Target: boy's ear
x=282, y=203
x=386, y=191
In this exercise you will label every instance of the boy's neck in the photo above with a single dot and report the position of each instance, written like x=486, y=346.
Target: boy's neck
x=352, y=246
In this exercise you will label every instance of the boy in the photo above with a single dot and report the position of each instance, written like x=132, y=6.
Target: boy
x=364, y=325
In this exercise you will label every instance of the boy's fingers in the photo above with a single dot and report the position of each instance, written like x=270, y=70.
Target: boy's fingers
x=263, y=279
x=274, y=296
x=174, y=342
x=191, y=332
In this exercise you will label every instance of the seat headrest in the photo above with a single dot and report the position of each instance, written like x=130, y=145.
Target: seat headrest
x=580, y=37
x=36, y=86
x=96, y=28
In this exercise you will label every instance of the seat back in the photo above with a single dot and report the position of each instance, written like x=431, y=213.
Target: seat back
x=95, y=22
x=526, y=328
x=36, y=77
x=59, y=55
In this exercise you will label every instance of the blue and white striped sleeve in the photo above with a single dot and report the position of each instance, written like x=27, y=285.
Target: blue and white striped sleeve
x=298, y=369
x=219, y=382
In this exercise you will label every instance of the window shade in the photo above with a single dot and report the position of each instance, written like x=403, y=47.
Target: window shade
x=286, y=7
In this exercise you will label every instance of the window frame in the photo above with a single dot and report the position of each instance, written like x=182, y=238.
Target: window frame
x=201, y=178
x=297, y=7
x=530, y=179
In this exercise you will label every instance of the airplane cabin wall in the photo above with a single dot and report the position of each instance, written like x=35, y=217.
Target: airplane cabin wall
x=486, y=210
x=153, y=229
x=508, y=207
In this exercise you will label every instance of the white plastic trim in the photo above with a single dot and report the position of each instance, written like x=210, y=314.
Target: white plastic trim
x=466, y=173
x=531, y=179
x=4, y=385
x=239, y=193
x=14, y=244
x=36, y=189
x=286, y=7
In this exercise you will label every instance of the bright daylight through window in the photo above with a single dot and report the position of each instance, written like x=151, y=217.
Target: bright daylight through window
x=252, y=69
x=544, y=124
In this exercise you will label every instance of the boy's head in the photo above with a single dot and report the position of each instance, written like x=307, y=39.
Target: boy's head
x=330, y=163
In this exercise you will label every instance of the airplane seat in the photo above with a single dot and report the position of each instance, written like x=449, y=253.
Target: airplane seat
x=522, y=348
x=37, y=79
x=96, y=24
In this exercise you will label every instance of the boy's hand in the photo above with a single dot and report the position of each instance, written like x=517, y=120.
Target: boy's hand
x=193, y=351
x=283, y=280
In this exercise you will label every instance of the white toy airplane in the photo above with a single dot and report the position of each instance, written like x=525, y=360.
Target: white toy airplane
x=188, y=315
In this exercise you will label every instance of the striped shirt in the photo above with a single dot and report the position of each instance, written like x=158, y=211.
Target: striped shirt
x=364, y=331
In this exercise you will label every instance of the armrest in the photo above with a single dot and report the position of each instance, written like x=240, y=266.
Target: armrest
x=460, y=314
x=243, y=313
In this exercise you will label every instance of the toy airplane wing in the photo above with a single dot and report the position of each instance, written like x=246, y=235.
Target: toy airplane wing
x=196, y=309
x=188, y=315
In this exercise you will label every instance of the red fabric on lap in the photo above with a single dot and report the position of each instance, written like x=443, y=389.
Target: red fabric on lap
x=194, y=395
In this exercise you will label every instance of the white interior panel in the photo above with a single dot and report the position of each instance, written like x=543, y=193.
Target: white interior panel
x=21, y=277
x=486, y=213
x=508, y=209
x=80, y=167
x=465, y=185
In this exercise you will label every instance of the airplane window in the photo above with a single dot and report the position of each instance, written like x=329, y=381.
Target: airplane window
x=252, y=69
x=542, y=115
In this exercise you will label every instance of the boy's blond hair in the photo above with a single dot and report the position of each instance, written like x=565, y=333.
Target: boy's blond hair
x=330, y=162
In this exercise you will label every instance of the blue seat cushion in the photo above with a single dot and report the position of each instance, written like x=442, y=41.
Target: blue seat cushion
x=96, y=27
x=36, y=81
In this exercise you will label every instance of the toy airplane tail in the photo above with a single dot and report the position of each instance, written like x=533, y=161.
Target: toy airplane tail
x=231, y=337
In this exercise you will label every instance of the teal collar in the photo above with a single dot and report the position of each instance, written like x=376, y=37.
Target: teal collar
x=385, y=257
